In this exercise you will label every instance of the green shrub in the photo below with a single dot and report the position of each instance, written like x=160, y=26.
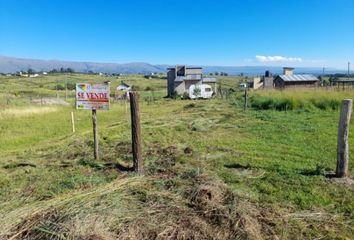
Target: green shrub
x=71, y=86
x=59, y=87
x=289, y=101
x=185, y=95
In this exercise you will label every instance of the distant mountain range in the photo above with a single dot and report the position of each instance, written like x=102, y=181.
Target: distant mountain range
x=12, y=65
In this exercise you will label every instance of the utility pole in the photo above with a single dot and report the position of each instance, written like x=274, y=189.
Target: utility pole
x=348, y=70
x=323, y=73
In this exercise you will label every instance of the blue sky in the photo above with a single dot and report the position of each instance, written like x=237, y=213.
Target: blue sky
x=200, y=32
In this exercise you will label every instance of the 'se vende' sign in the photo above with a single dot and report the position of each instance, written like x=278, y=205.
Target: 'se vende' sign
x=92, y=96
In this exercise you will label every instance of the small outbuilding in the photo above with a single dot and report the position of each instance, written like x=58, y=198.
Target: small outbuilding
x=290, y=80
x=123, y=87
x=122, y=91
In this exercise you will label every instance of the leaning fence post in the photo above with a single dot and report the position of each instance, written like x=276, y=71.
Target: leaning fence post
x=136, y=133
x=73, y=122
x=343, y=132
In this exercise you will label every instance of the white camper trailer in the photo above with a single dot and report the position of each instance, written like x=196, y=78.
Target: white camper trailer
x=200, y=91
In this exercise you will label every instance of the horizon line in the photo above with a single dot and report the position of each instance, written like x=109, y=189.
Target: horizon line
x=168, y=64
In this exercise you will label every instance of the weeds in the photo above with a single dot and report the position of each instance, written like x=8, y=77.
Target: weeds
x=292, y=100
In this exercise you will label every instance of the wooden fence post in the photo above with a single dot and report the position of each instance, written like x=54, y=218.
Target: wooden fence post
x=73, y=121
x=95, y=138
x=343, y=132
x=136, y=133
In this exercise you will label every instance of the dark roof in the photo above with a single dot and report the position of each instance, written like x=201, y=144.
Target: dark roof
x=186, y=68
x=123, y=84
x=298, y=78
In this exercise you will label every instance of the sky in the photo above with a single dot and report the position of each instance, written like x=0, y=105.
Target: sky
x=307, y=33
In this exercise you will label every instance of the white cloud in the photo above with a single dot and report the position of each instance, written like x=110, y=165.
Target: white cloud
x=277, y=59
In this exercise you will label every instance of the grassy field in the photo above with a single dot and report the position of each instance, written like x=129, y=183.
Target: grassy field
x=213, y=171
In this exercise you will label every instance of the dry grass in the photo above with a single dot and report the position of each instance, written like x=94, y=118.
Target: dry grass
x=206, y=210
x=21, y=220
x=28, y=111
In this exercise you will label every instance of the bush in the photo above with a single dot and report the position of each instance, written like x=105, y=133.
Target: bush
x=59, y=87
x=71, y=86
x=284, y=103
x=185, y=95
x=325, y=104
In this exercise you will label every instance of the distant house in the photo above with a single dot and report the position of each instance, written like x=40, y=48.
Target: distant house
x=23, y=74
x=123, y=87
x=149, y=76
x=290, y=80
x=181, y=78
x=122, y=91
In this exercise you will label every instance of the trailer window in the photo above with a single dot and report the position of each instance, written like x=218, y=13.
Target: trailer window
x=208, y=89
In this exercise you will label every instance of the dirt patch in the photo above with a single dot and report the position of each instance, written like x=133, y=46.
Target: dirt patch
x=50, y=101
x=165, y=157
x=349, y=182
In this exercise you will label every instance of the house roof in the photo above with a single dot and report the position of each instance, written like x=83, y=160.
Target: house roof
x=186, y=68
x=298, y=78
x=123, y=84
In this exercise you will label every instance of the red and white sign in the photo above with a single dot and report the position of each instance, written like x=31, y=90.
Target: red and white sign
x=92, y=96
